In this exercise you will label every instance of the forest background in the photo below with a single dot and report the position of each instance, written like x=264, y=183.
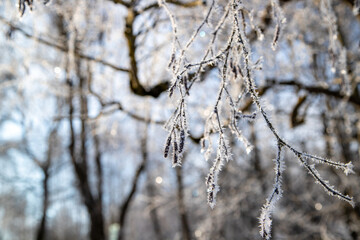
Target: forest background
x=84, y=98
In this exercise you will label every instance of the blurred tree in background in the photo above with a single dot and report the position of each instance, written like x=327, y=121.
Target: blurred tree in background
x=84, y=94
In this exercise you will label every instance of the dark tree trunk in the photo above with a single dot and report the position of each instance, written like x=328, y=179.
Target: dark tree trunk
x=79, y=160
x=255, y=152
x=185, y=226
x=41, y=232
x=97, y=222
x=130, y=197
x=153, y=212
x=45, y=166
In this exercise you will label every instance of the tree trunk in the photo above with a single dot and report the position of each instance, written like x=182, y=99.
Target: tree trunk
x=97, y=222
x=42, y=227
x=153, y=212
x=128, y=200
x=79, y=160
x=186, y=232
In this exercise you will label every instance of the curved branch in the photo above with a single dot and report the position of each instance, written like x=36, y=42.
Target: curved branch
x=296, y=118
x=192, y=4
x=126, y=4
x=355, y=98
x=135, y=85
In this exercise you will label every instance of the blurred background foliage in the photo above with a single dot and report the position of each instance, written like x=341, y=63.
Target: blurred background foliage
x=83, y=101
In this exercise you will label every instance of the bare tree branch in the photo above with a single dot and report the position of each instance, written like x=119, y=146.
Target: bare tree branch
x=192, y=4
x=61, y=47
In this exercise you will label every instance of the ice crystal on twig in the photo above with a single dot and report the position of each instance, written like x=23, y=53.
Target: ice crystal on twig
x=177, y=128
x=265, y=216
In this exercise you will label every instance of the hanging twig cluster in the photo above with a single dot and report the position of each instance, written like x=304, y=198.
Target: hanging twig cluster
x=234, y=61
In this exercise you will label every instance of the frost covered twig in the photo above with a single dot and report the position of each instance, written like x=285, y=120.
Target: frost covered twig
x=280, y=19
x=177, y=127
x=234, y=61
x=265, y=216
